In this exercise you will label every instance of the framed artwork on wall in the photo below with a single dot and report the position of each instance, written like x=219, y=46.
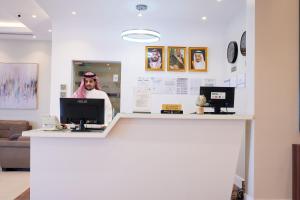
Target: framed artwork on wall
x=177, y=59
x=198, y=59
x=154, y=58
x=18, y=85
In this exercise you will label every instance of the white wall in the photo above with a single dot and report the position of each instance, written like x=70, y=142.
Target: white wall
x=276, y=96
x=93, y=43
x=32, y=52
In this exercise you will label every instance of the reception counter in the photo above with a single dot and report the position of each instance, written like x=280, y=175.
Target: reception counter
x=139, y=156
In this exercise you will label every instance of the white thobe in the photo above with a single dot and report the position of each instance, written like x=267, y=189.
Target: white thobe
x=98, y=94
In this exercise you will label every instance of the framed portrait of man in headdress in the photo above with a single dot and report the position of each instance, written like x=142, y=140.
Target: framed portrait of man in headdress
x=176, y=59
x=154, y=58
x=198, y=59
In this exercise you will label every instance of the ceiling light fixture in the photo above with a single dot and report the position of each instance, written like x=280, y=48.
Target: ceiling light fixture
x=141, y=35
x=33, y=16
x=49, y=30
x=34, y=37
x=204, y=18
x=140, y=8
x=74, y=12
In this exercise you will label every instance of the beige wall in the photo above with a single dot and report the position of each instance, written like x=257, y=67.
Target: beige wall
x=276, y=96
x=15, y=51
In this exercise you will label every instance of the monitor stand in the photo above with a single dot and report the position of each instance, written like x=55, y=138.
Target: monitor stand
x=80, y=128
x=218, y=112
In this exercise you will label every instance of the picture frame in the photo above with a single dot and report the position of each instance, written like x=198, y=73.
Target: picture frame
x=198, y=59
x=177, y=59
x=154, y=58
x=19, y=85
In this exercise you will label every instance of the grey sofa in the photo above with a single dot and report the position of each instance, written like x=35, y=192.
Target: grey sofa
x=14, y=148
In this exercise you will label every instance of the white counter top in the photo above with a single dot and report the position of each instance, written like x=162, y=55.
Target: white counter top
x=103, y=134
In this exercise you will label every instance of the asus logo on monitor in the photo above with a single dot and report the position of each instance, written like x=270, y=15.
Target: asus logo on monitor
x=82, y=101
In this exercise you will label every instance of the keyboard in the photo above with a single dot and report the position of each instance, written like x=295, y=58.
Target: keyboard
x=220, y=113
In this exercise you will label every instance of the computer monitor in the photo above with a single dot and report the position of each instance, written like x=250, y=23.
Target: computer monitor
x=219, y=97
x=82, y=111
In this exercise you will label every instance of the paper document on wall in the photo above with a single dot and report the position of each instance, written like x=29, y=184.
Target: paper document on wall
x=241, y=80
x=227, y=83
x=182, y=86
x=209, y=82
x=144, y=82
x=157, y=85
x=169, y=86
x=142, y=96
x=233, y=81
x=195, y=84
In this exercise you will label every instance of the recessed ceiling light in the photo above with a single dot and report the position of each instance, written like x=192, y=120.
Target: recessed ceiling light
x=33, y=16
x=74, y=12
x=219, y=0
x=49, y=30
x=204, y=18
x=34, y=37
x=12, y=24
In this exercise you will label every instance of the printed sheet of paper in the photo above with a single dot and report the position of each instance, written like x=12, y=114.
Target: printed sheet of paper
x=182, y=86
x=157, y=85
x=142, y=96
x=195, y=84
x=169, y=87
x=241, y=80
x=209, y=82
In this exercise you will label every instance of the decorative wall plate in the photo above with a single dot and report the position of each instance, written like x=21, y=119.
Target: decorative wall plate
x=243, y=44
x=232, y=52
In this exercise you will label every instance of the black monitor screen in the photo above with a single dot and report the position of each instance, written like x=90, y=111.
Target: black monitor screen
x=218, y=97
x=73, y=110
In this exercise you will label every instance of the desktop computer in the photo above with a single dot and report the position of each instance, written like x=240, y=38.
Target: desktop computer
x=218, y=97
x=82, y=111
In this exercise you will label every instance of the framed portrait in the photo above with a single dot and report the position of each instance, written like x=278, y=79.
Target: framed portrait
x=176, y=59
x=154, y=58
x=198, y=59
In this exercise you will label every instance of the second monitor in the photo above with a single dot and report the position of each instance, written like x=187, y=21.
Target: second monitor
x=218, y=97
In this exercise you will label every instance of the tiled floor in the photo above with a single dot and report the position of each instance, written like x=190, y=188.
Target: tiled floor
x=12, y=184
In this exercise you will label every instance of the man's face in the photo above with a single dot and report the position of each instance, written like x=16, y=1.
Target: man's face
x=177, y=52
x=198, y=57
x=154, y=56
x=89, y=83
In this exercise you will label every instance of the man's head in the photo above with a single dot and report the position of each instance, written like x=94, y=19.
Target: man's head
x=177, y=52
x=198, y=57
x=90, y=80
x=155, y=55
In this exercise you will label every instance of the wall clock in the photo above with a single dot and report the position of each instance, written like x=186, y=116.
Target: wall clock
x=232, y=52
x=243, y=44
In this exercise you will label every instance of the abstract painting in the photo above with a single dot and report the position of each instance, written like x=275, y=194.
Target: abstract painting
x=18, y=85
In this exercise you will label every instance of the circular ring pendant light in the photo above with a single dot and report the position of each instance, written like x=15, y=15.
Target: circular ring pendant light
x=141, y=35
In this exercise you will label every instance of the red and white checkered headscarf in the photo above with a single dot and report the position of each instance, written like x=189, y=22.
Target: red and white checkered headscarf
x=81, y=91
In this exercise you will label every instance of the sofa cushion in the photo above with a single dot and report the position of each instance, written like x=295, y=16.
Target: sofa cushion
x=9, y=127
x=5, y=133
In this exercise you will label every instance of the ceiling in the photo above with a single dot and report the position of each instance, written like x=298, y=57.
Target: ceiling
x=37, y=27
x=161, y=14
